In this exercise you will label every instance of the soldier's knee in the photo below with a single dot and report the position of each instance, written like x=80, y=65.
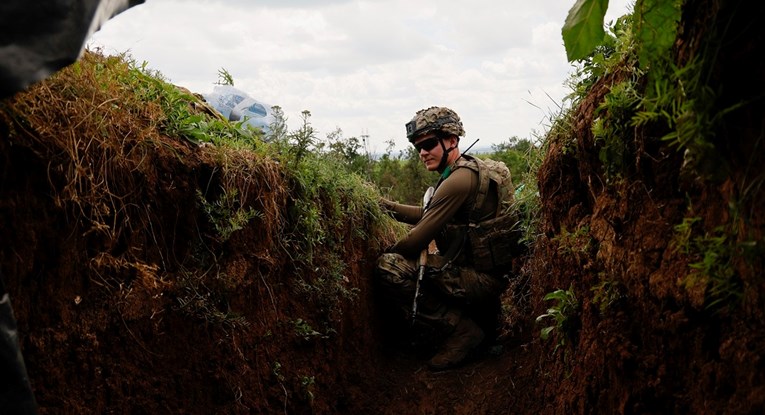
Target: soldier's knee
x=393, y=268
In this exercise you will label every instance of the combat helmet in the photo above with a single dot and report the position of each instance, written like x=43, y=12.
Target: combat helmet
x=434, y=119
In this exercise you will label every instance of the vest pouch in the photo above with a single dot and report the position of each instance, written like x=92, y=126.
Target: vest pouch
x=495, y=242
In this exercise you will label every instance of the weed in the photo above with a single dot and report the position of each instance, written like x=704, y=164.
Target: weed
x=276, y=369
x=303, y=139
x=307, y=383
x=606, y=294
x=681, y=241
x=304, y=330
x=611, y=127
x=225, y=77
x=714, y=255
x=616, y=52
x=715, y=270
x=574, y=243
x=199, y=301
x=565, y=308
x=227, y=213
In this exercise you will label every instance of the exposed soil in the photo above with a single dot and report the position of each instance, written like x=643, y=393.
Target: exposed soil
x=127, y=303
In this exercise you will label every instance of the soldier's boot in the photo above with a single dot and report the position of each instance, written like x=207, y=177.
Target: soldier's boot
x=466, y=337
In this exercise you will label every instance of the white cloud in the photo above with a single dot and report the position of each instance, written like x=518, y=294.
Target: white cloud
x=365, y=66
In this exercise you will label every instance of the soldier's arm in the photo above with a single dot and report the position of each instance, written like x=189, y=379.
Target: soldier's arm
x=446, y=202
x=403, y=213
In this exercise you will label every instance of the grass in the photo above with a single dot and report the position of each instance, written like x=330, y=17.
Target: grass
x=227, y=213
x=100, y=124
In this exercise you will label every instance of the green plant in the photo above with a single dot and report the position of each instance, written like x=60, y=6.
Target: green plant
x=303, y=139
x=681, y=241
x=199, y=301
x=276, y=369
x=179, y=117
x=307, y=383
x=330, y=287
x=681, y=99
x=227, y=213
x=715, y=258
x=574, y=243
x=583, y=29
x=225, y=77
x=714, y=269
x=606, y=293
x=304, y=330
x=561, y=313
x=655, y=27
x=611, y=128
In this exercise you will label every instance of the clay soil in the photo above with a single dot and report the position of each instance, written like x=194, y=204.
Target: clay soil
x=127, y=303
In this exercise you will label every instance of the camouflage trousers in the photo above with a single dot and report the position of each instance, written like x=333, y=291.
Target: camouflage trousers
x=444, y=294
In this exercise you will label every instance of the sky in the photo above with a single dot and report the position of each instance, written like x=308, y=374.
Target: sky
x=365, y=66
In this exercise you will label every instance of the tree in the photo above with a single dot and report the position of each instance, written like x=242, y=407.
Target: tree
x=516, y=154
x=305, y=137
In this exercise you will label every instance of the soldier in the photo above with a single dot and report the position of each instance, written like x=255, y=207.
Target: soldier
x=462, y=278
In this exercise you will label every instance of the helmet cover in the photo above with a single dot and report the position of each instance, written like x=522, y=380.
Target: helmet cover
x=434, y=119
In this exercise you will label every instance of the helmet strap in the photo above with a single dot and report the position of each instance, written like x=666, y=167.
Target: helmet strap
x=444, y=156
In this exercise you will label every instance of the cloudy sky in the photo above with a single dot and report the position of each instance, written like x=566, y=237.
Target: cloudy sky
x=365, y=66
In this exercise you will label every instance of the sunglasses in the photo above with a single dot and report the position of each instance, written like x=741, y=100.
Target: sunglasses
x=427, y=145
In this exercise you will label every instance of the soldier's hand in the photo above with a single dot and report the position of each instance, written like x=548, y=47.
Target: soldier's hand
x=385, y=204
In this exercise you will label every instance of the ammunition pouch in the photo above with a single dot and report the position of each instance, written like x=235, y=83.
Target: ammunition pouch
x=494, y=243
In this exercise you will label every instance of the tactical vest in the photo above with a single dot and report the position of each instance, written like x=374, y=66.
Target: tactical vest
x=491, y=242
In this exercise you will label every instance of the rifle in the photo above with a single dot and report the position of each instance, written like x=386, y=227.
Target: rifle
x=423, y=256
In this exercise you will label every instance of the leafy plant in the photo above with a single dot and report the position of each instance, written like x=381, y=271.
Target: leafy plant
x=179, y=119
x=227, y=213
x=199, y=301
x=683, y=232
x=713, y=258
x=583, y=30
x=303, y=139
x=304, y=330
x=606, y=293
x=656, y=28
x=561, y=313
x=225, y=77
x=308, y=383
x=577, y=242
x=276, y=369
x=611, y=128
x=715, y=269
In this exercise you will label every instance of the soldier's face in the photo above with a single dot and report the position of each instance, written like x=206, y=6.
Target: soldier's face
x=429, y=147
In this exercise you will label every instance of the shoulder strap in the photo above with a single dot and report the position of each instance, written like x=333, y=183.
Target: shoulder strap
x=490, y=171
x=477, y=165
x=483, y=191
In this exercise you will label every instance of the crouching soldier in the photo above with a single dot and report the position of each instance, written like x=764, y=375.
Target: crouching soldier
x=454, y=288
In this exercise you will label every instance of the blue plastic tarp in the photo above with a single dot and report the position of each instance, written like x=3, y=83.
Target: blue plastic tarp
x=237, y=105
